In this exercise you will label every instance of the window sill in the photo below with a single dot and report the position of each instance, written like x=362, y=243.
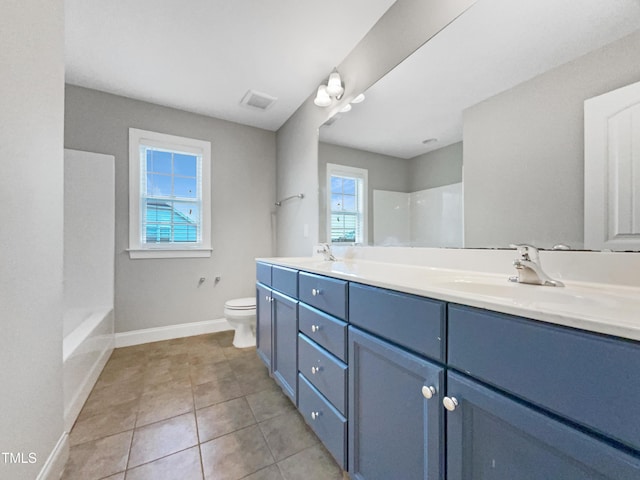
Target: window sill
x=136, y=254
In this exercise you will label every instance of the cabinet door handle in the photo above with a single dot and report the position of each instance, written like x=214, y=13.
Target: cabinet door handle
x=315, y=328
x=315, y=370
x=267, y=298
x=428, y=391
x=315, y=415
x=315, y=292
x=450, y=403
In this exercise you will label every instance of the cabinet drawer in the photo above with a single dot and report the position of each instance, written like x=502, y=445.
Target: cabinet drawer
x=588, y=378
x=414, y=322
x=325, y=330
x=285, y=280
x=326, y=421
x=263, y=273
x=327, y=294
x=324, y=371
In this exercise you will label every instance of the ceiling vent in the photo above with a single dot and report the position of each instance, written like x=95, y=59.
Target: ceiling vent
x=258, y=100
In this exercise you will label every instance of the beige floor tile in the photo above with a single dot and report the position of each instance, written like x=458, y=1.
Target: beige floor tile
x=287, y=434
x=117, y=476
x=114, y=373
x=216, y=391
x=255, y=381
x=184, y=465
x=272, y=472
x=209, y=372
x=110, y=396
x=111, y=420
x=223, y=418
x=163, y=404
x=236, y=455
x=313, y=463
x=269, y=403
x=99, y=458
x=163, y=438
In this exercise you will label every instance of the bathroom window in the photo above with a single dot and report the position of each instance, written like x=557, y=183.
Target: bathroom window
x=347, y=202
x=169, y=196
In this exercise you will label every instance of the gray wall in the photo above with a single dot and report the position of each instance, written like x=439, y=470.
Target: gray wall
x=31, y=194
x=160, y=292
x=524, y=151
x=436, y=168
x=297, y=140
x=384, y=173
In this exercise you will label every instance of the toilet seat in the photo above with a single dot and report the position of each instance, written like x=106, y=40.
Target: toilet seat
x=241, y=304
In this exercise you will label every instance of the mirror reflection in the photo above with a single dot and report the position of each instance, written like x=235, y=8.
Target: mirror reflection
x=477, y=139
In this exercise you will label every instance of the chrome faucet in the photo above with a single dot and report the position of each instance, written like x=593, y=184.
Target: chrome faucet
x=325, y=250
x=529, y=269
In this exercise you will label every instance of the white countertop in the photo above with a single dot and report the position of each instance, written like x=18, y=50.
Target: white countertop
x=602, y=308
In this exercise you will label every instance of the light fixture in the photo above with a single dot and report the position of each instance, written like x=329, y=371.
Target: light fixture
x=358, y=99
x=332, y=90
x=346, y=108
x=334, y=85
x=322, y=97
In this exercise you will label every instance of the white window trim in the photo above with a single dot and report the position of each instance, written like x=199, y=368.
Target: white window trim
x=362, y=173
x=137, y=249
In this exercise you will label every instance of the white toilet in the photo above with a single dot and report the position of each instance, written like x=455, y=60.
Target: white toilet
x=241, y=314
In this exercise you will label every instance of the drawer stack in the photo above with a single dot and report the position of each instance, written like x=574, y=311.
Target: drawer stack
x=322, y=352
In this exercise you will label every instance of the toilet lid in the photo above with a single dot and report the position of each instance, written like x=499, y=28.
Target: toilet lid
x=246, y=303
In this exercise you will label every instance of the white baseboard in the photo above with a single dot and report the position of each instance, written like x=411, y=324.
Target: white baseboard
x=147, y=335
x=53, y=467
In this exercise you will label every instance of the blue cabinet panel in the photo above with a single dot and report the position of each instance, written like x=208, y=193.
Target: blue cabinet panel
x=394, y=431
x=324, y=329
x=285, y=344
x=285, y=280
x=591, y=379
x=263, y=273
x=326, y=421
x=414, y=322
x=491, y=437
x=327, y=294
x=324, y=371
x=263, y=324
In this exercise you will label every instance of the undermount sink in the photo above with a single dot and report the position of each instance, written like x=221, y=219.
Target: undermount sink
x=532, y=295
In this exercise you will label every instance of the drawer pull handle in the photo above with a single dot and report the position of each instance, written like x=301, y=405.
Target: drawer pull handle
x=315, y=292
x=315, y=370
x=315, y=328
x=428, y=392
x=267, y=298
x=450, y=403
x=315, y=415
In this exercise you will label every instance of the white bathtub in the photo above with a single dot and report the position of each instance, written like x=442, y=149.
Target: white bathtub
x=87, y=345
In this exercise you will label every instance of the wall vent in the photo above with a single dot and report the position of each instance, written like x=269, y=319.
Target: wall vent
x=258, y=100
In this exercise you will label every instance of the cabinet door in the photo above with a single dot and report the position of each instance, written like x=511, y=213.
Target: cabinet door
x=285, y=343
x=394, y=430
x=263, y=327
x=492, y=437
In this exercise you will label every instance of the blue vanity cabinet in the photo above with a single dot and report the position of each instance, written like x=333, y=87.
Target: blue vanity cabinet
x=264, y=324
x=285, y=343
x=395, y=431
x=493, y=437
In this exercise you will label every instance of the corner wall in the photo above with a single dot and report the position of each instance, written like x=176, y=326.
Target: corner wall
x=31, y=195
x=163, y=292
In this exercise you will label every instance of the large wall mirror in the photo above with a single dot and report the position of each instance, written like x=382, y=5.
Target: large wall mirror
x=477, y=139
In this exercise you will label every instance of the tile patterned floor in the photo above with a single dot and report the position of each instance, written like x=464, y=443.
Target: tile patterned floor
x=192, y=409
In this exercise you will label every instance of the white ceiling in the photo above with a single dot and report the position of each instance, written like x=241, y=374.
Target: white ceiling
x=203, y=55
x=492, y=47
